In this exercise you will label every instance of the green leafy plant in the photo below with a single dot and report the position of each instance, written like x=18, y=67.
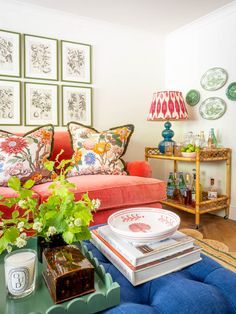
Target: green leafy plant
x=60, y=213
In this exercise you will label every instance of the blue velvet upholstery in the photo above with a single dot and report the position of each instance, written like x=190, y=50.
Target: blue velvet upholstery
x=203, y=288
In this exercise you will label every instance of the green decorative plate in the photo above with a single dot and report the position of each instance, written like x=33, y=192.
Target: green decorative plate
x=212, y=108
x=231, y=91
x=192, y=97
x=214, y=79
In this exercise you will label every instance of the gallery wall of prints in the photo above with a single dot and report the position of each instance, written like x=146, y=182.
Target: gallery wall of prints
x=44, y=80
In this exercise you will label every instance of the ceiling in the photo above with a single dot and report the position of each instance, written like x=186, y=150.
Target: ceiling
x=149, y=15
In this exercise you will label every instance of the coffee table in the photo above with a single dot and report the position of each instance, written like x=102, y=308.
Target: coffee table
x=203, y=288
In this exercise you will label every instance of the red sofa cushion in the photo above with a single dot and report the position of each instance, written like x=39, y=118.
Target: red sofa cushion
x=62, y=141
x=114, y=191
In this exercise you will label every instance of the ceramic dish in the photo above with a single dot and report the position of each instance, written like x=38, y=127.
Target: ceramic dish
x=214, y=79
x=192, y=97
x=144, y=225
x=231, y=91
x=212, y=108
x=189, y=155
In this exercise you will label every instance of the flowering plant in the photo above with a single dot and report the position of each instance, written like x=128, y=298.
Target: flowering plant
x=59, y=214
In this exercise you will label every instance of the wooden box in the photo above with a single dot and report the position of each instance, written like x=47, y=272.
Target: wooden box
x=67, y=273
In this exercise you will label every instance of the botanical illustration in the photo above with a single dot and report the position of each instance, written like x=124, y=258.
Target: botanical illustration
x=99, y=153
x=41, y=104
x=76, y=106
x=6, y=102
x=6, y=53
x=75, y=62
x=40, y=57
x=23, y=156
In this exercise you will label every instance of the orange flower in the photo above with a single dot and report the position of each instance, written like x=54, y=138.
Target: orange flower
x=101, y=148
x=36, y=177
x=77, y=155
x=123, y=132
x=45, y=136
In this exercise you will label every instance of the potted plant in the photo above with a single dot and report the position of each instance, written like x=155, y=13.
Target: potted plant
x=59, y=218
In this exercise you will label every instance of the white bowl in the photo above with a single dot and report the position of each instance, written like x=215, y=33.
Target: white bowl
x=189, y=155
x=144, y=224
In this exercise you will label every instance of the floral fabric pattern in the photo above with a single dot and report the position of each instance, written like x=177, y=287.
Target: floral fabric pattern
x=23, y=157
x=99, y=153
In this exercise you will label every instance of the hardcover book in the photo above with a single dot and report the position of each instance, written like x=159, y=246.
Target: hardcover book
x=143, y=273
x=141, y=254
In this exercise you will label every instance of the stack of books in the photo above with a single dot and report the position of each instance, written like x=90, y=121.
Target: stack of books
x=143, y=262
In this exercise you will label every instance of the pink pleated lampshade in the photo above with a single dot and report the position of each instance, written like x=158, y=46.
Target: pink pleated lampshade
x=168, y=105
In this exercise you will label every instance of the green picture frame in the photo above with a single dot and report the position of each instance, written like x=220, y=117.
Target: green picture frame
x=10, y=102
x=76, y=104
x=41, y=104
x=41, y=58
x=10, y=54
x=76, y=62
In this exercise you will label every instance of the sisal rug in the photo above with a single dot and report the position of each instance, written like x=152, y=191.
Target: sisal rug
x=214, y=249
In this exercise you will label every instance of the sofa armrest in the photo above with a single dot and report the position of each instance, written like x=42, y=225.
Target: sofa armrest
x=139, y=168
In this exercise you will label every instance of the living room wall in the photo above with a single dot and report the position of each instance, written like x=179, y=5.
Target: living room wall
x=127, y=65
x=190, y=51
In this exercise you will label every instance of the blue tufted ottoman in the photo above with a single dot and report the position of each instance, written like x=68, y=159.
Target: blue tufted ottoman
x=203, y=288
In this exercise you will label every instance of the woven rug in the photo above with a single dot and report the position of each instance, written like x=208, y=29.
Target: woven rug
x=214, y=249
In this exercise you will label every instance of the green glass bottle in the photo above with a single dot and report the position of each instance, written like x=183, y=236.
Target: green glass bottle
x=170, y=185
x=182, y=185
x=214, y=139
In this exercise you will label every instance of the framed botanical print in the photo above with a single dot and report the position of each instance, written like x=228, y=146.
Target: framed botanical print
x=10, y=102
x=75, y=62
x=10, y=54
x=41, y=57
x=76, y=104
x=41, y=104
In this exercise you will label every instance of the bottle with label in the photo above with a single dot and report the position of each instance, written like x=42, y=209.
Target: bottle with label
x=212, y=192
x=193, y=188
x=212, y=141
x=170, y=185
x=188, y=194
x=182, y=185
x=177, y=196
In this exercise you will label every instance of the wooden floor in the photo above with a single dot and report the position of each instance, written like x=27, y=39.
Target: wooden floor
x=212, y=227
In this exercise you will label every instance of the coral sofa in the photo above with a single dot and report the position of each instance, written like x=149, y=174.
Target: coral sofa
x=114, y=191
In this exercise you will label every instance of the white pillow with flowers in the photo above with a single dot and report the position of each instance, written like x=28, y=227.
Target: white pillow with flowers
x=23, y=156
x=99, y=152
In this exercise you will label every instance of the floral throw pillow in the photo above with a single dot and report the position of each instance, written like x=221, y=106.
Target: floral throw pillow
x=99, y=153
x=23, y=156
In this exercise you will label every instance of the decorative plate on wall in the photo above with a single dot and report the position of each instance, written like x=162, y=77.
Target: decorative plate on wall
x=192, y=97
x=231, y=91
x=212, y=108
x=214, y=79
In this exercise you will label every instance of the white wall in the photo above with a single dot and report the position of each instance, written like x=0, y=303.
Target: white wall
x=127, y=65
x=190, y=51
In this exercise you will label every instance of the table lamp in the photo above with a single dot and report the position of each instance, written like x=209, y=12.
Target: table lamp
x=167, y=106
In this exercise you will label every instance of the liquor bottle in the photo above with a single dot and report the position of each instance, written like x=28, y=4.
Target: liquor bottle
x=202, y=140
x=188, y=194
x=182, y=185
x=177, y=196
x=170, y=185
x=193, y=188
x=212, y=141
x=212, y=192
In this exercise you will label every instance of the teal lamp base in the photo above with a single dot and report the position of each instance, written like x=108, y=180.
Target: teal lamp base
x=167, y=135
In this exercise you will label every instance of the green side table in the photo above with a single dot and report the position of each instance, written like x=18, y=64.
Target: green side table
x=107, y=293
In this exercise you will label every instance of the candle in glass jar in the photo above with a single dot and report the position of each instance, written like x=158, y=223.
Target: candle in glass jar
x=20, y=272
